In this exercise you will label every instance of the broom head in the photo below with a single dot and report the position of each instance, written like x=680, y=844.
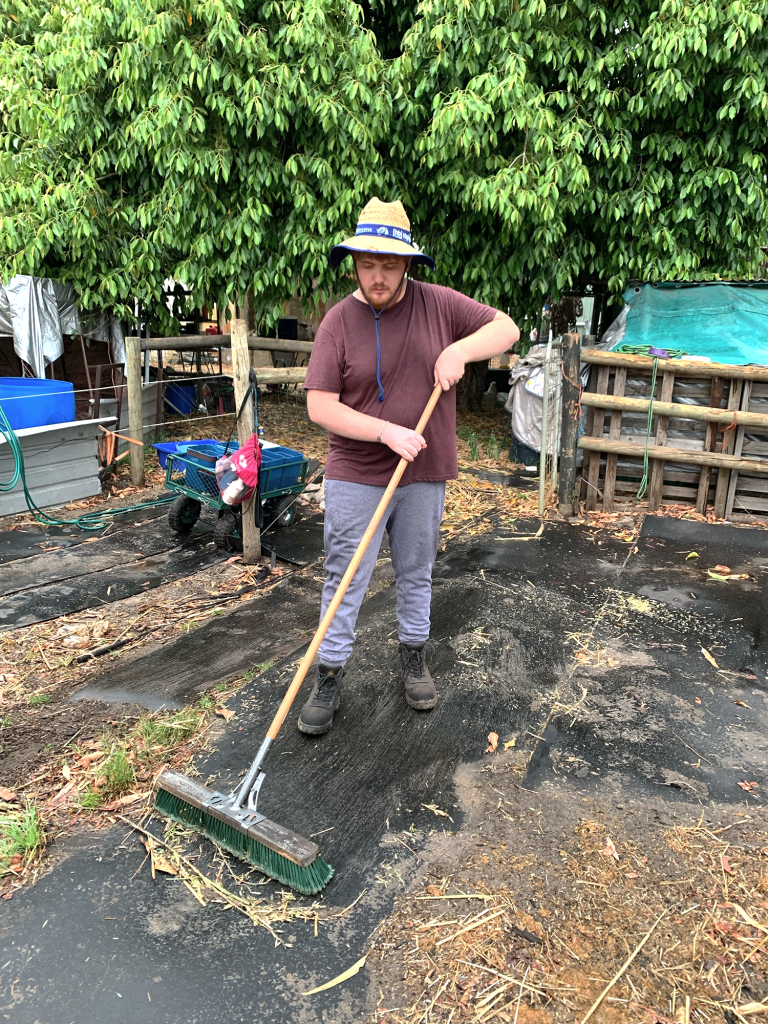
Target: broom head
x=274, y=850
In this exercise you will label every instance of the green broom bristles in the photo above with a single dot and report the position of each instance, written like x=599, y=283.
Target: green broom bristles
x=309, y=880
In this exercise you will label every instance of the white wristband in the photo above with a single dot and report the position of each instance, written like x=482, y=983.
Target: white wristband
x=378, y=436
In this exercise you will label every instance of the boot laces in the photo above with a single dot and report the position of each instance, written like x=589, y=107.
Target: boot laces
x=416, y=662
x=326, y=688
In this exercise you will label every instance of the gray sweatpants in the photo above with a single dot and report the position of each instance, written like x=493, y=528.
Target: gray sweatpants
x=412, y=521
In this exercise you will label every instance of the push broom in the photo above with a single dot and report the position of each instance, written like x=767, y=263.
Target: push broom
x=233, y=820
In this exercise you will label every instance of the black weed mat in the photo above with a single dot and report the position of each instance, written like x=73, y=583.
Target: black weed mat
x=669, y=689
x=552, y=634
x=175, y=559
x=223, y=649
x=299, y=544
x=30, y=540
x=94, y=554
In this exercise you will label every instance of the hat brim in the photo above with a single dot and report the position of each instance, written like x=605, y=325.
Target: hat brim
x=380, y=246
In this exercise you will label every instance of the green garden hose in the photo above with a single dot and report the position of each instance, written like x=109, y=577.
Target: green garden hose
x=646, y=350
x=89, y=521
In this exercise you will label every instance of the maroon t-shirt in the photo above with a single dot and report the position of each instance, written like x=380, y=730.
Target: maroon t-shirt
x=413, y=333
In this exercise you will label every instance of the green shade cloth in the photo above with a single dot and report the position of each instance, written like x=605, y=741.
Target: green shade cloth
x=727, y=322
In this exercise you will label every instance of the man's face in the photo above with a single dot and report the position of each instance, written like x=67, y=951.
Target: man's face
x=380, y=276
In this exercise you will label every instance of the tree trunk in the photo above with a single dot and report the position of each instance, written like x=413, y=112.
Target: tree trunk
x=470, y=389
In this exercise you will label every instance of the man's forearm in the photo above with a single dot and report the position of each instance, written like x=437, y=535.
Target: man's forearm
x=328, y=412
x=491, y=340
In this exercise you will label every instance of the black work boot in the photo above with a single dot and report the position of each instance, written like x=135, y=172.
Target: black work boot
x=420, y=691
x=317, y=714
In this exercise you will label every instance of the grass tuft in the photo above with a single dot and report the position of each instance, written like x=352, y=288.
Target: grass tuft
x=21, y=836
x=118, y=772
x=37, y=700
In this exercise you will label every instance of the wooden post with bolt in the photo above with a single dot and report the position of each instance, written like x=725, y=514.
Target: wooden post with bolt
x=241, y=365
x=135, y=413
x=569, y=433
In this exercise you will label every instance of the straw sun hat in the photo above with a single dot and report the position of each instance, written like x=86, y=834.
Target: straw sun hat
x=382, y=228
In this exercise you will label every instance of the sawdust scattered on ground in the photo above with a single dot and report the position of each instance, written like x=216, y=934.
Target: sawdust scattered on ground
x=564, y=888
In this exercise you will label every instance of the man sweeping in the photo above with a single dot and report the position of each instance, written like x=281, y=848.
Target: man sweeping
x=377, y=357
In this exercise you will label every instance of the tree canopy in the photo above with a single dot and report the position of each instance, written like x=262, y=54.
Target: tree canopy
x=538, y=147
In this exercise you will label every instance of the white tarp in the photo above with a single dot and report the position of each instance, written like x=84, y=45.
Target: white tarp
x=37, y=312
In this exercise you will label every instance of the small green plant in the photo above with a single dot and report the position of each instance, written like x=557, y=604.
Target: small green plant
x=21, y=835
x=91, y=799
x=493, y=447
x=37, y=700
x=118, y=772
x=473, y=444
x=6, y=722
x=207, y=703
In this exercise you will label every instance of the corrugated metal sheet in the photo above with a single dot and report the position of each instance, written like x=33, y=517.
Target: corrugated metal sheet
x=60, y=461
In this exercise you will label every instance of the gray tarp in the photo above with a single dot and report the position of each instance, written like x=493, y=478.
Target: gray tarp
x=37, y=312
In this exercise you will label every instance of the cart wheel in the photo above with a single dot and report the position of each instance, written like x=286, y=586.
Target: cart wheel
x=226, y=533
x=285, y=511
x=183, y=514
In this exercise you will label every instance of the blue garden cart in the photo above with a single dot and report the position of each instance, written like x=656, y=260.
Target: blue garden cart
x=191, y=472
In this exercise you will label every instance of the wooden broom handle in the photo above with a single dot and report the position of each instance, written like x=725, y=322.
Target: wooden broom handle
x=357, y=558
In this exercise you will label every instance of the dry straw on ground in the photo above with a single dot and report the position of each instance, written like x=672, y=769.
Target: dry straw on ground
x=702, y=909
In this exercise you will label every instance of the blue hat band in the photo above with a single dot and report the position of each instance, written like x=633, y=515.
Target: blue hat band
x=384, y=231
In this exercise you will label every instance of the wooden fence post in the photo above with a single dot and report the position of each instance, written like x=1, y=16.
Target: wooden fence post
x=569, y=432
x=241, y=365
x=135, y=413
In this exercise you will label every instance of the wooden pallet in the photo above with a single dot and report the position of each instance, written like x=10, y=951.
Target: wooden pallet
x=699, y=450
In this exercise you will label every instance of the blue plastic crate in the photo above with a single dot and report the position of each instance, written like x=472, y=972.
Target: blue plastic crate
x=281, y=468
x=166, y=448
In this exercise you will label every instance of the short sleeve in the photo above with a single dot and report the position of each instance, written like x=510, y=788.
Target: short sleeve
x=467, y=315
x=325, y=369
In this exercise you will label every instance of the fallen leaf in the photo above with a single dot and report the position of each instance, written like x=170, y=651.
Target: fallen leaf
x=749, y=786
x=693, y=554
x=697, y=700
x=350, y=973
x=131, y=798
x=493, y=739
x=161, y=863
x=609, y=849
x=632, y=874
x=234, y=558
x=722, y=568
x=7, y=895
x=725, y=864
x=436, y=810
x=510, y=743
x=741, y=704
x=752, y=1008
x=225, y=713
x=76, y=642
x=66, y=772
x=709, y=657
x=717, y=576
x=8, y=795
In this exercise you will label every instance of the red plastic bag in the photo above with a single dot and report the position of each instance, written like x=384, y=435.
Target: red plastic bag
x=238, y=474
x=246, y=461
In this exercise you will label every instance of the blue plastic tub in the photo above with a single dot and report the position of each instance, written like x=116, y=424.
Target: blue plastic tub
x=204, y=455
x=32, y=402
x=280, y=468
x=166, y=448
x=181, y=397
